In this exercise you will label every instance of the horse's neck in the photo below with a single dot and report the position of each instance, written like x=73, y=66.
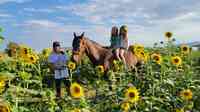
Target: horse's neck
x=94, y=51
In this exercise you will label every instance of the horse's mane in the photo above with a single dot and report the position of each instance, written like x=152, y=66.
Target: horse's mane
x=94, y=42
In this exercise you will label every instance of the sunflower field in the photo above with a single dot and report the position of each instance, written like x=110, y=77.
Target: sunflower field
x=168, y=81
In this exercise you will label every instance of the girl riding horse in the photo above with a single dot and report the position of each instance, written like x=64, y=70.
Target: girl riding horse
x=119, y=42
x=98, y=54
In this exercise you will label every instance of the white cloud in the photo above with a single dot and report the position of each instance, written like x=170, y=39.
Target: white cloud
x=4, y=15
x=131, y=11
x=16, y=1
x=39, y=10
x=147, y=19
x=41, y=23
x=40, y=33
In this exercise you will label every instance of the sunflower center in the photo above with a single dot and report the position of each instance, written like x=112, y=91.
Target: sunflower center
x=186, y=94
x=77, y=90
x=176, y=60
x=156, y=58
x=32, y=58
x=184, y=48
x=25, y=51
x=168, y=34
x=131, y=95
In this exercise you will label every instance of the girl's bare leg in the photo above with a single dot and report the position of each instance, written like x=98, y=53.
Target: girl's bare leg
x=117, y=53
x=122, y=52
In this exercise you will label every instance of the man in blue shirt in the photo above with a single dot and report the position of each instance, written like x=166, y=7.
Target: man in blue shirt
x=57, y=61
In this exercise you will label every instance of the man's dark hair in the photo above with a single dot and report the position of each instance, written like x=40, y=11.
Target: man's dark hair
x=56, y=44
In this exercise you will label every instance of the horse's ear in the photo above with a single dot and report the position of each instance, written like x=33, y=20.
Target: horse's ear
x=74, y=34
x=82, y=35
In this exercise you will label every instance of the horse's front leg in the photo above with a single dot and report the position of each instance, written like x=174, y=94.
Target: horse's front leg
x=106, y=65
x=108, y=62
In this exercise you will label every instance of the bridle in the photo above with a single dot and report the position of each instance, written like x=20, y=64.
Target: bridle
x=76, y=52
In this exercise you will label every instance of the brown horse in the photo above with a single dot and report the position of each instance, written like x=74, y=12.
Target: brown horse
x=98, y=54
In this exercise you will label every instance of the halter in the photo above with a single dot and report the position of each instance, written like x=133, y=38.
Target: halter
x=76, y=52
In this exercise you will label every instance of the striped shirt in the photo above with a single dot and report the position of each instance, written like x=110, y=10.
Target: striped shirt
x=59, y=62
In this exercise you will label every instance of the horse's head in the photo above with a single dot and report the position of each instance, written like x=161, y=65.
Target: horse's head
x=78, y=47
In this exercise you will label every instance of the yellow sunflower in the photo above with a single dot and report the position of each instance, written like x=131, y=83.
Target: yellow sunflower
x=2, y=56
x=32, y=59
x=4, y=107
x=2, y=86
x=157, y=58
x=116, y=66
x=46, y=52
x=185, y=49
x=176, y=60
x=137, y=48
x=76, y=110
x=13, y=52
x=125, y=106
x=132, y=95
x=179, y=110
x=23, y=52
x=100, y=69
x=12, y=45
x=168, y=35
x=2, y=83
x=76, y=90
x=115, y=62
x=71, y=65
x=186, y=94
x=142, y=56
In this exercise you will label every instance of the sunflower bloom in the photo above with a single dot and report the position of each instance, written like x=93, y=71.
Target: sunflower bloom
x=116, y=66
x=2, y=83
x=125, y=106
x=100, y=69
x=168, y=35
x=115, y=62
x=180, y=110
x=2, y=86
x=132, y=95
x=137, y=48
x=76, y=110
x=157, y=58
x=2, y=56
x=176, y=60
x=24, y=51
x=12, y=49
x=142, y=55
x=185, y=49
x=71, y=65
x=46, y=52
x=186, y=94
x=32, y=59
x=76, y=90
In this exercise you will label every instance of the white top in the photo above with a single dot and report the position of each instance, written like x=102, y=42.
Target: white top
x=59, y=61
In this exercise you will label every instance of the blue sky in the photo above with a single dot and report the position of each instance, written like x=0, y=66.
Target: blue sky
x=38, y=22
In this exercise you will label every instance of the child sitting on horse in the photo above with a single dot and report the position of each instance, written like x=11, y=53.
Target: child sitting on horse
x=119, y=41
